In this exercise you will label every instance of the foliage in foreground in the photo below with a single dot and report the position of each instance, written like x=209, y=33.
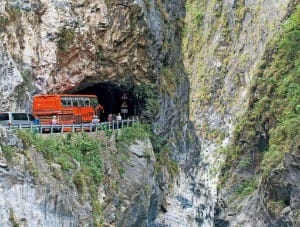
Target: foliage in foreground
x=67, y=150
x=136, y=131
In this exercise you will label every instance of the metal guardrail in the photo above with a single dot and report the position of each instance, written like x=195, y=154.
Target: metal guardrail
x=87, y=127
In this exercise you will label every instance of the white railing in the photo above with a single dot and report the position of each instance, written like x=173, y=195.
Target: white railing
x=87, y=127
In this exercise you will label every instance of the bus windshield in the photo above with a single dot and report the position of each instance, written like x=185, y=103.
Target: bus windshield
x=94, y=102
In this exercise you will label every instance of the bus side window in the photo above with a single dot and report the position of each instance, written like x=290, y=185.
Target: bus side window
x=68, y=102
x=4, y=116
x=94, y=102
x=87, y=102
x=81, y=102
x=63, y=102
x=75, y=102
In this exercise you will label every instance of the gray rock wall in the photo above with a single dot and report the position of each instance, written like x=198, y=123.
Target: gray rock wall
x=42, y=200
x=224, y=44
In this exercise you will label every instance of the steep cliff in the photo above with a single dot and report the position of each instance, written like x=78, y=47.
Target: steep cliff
x=265, y=160
x=75, y=179
x=204, y=72
x=67, y=46
x=229, y=47
x=59, y=46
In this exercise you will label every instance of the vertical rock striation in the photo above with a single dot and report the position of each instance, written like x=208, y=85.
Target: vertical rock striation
x=224, y=46
x=203, y=58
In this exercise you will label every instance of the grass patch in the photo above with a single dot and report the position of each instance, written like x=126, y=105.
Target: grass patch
x=68, y=149
x=146, y=101
x=163, y=160
x=9, y=152
x=137, y=131
x=246, y=187
x=66, y=38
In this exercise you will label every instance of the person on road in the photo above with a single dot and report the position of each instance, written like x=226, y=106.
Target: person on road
x=110, y=118
x=95, y=119
x=119, y=117
x=54, y=120
x=36, y=120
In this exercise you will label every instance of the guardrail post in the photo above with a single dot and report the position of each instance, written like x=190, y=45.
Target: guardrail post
x=62, y=128
x=73, y=129
x=127, y=121
x=51, y=129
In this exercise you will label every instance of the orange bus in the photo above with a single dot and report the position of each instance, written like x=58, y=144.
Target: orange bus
x=68, y=108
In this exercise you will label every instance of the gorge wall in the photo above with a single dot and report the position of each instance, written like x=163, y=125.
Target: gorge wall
x=228, y=47
x=201, y=60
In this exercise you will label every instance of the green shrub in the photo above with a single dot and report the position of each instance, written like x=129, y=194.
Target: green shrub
x=97, y=213
x=146, y=101
x=233, y=154
x=199, y=18
x=163, y=160
x=130, y=134
x=66, y=38
x=245, y=188
x=245, y=162
x=9, y=152
x=12, y=218
x=79, y=181
x=65, y=150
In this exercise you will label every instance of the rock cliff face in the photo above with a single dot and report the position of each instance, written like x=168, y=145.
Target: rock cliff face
x=58, y=46
x=66, y=46
x=36, y=192
x=223, y=63
x=31, y=201
x=203, y=58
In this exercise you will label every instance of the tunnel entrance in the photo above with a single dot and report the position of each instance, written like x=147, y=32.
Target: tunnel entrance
x=115, y=99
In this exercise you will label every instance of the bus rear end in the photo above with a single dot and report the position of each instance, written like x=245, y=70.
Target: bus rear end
x=46, y=106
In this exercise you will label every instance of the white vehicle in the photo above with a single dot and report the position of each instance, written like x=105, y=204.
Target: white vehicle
x=16, y=119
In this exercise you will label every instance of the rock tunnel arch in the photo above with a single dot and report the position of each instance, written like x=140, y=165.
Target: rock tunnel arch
x=114, y=98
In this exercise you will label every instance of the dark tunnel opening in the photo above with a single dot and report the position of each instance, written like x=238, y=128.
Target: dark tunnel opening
x=114, y=99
